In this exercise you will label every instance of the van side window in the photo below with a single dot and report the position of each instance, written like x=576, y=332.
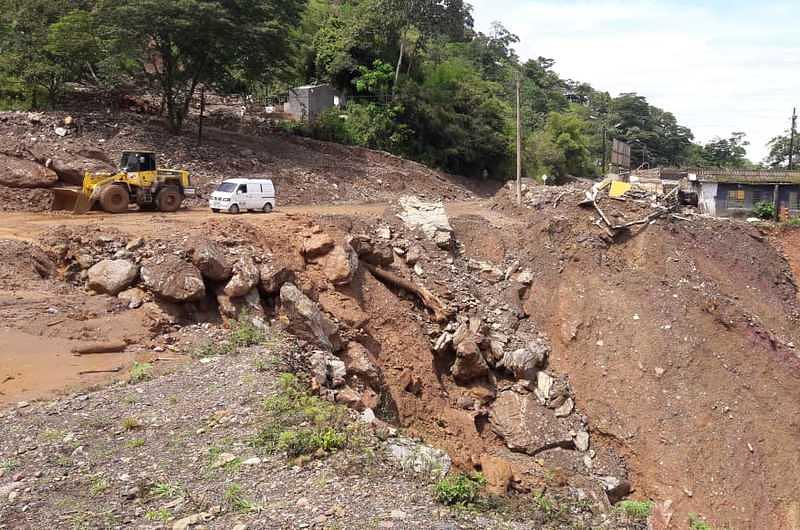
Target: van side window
x=242, y=189
x=253, y=187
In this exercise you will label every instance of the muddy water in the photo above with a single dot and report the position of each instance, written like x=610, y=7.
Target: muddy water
x=35, y=367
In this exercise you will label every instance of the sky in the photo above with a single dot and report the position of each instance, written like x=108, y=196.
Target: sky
x=719, y=65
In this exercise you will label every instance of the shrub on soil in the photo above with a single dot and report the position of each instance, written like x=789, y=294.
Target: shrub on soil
x=301, y=423
x=635, y=509
x=461, y=489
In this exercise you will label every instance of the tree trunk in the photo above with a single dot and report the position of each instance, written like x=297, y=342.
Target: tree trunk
x=399, y=61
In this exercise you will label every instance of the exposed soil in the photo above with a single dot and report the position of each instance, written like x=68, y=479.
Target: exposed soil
x=305, y=171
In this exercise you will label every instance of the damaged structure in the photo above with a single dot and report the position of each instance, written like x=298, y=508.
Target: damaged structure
x=733, y=193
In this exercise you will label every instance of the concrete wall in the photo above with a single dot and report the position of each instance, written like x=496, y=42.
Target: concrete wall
x=307, y=103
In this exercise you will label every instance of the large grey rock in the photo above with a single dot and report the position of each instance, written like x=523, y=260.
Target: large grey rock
x=18, y=172
x=418, y=458
x=327, y=370
x=528, y=427
x=306, y=319
x=173, y=279
x=134, y=296
x=469, y=363
x=378, y=253
x=71, y=166
x=361, y=363
x=112, y=276
x=274, y=276
x=340, y=264
x=249, y=304
x=429, y=217
x=211, y=260
x=245, y=277
x=525, y=362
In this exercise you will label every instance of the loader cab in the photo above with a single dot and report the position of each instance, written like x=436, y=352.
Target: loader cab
x=135, y=161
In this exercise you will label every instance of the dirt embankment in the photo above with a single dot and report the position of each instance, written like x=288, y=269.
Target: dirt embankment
x=305, y=171
x=659, y=364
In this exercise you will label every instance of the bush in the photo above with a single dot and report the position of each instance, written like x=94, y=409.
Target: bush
x=764, y=210
x=301, y=424
x=461, y=489
x=635, y=509
x=140, y=372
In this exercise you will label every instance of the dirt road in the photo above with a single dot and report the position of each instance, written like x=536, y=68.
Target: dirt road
x=26, y=226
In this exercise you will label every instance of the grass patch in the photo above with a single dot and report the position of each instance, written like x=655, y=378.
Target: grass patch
x=459, y=490
x=135, y=443
x=161, y=514
x=638, y=510
x=131, y=424
x=235, y=499
x=300, y=423
x=243, y=333
x=8, y=465
x=98, y=486
x=140, y=372
x=165, y=489
x=697, y=523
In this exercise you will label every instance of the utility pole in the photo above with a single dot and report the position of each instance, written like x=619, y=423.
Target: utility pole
x=202, y=111
x=519, y=144
x=604, y=150
x=791, y=137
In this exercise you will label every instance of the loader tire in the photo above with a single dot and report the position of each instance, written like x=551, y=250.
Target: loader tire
x=114, y=199
x=169, y=199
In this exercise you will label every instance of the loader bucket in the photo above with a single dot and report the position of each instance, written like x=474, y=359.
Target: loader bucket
x=73, y=200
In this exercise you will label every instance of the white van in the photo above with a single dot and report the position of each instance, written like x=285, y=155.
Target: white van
x=236, y=195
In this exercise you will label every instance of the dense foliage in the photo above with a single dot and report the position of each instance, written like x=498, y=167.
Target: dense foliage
x=419, y=80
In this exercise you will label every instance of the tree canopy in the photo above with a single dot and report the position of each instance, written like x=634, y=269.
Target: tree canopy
x=419, y=79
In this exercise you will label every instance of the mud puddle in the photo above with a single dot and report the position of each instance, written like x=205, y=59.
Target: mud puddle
x=35, y=367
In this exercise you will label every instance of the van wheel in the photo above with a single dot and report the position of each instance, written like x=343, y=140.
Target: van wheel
x=234, y=208
x=114, y=199
x=267, y=208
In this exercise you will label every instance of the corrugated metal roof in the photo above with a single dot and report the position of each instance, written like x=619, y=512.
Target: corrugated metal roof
x=748, y=176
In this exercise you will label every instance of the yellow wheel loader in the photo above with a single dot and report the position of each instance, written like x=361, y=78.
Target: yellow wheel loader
x=137, y=182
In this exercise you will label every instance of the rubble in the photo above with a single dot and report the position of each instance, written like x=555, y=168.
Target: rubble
x=307, y=321
x=211, y=260
x=245, y=277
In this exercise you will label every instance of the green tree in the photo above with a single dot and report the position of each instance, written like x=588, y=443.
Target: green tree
x=182, y=43
x=722, y=153
x=561, y=148
x=778, y=156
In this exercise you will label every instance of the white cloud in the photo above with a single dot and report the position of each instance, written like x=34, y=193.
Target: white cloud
x=726, y=66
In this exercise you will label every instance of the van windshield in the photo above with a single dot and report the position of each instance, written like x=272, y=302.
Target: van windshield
x=227, y=187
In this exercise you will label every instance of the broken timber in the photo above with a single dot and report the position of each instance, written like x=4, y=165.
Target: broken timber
x=99, y=347
x=428, y=299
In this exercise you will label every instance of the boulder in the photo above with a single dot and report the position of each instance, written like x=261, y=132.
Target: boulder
x=524, y=363
x=134, y=296
x=361, y=363
x=378, y=253
x=528, y=427
x=327, y=370
x=245, y=277
x=340, y=264
x=307, y=321
x=112, y=276
x=418, y=458
x=236, y=307
x=71, y=168
x=21, y=173
x=429, y=217
x=173, y=279
x=211, y=260
x=414, y=253
x=273, y=277
x=316, y=245
x=498, y=474
x=470, y=363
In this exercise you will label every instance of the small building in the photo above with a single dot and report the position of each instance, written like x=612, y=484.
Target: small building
x=735, y=193
x=306, y=103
